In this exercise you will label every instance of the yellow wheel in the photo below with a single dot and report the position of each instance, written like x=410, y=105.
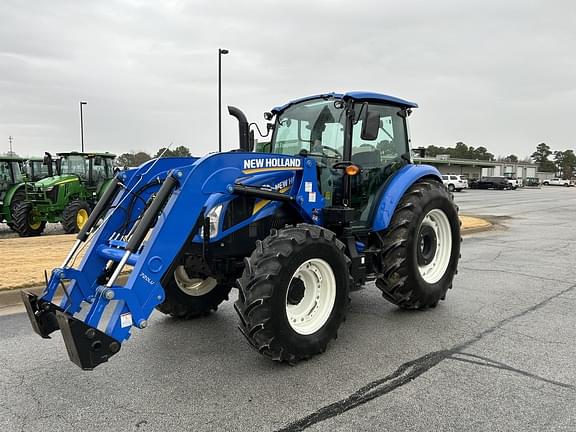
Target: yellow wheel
x=75, y=216
x=27, y=220
x=81, y=218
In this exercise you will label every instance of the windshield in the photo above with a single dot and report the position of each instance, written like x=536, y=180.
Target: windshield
x=315, y=126
x=39, y=170
x=7, y=168
x=74, y=164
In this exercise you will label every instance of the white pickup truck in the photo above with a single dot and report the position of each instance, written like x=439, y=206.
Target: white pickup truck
x=557, y=182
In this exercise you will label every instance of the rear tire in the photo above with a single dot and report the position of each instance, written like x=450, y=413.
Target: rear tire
x=75, y=215
x=421, y=248
x=26, y=224
x=188, y=297
x=294, y=292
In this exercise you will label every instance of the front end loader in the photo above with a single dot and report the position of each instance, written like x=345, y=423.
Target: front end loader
x=334, y=204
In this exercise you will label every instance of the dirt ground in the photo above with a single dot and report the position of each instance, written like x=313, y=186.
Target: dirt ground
x=25, y=259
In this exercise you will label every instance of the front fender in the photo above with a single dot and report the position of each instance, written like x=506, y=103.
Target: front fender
x=394, y=190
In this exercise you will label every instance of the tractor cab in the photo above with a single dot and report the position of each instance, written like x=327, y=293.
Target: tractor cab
x=39, y=168
x=11, y=182
x=358, y=140
x=93, y=169
x=10, y=173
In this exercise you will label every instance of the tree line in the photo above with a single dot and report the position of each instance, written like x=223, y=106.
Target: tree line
x=134, y=159
x=460, y=151
x=563, y=163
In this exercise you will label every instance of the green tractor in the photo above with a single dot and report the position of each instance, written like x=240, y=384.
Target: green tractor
x=67, y=197
x=12, y=187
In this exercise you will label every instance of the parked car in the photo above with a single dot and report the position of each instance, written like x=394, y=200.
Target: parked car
x=557, y=182
x=455, y=182
x=514, y=182
x=532, y=182
x=499, y=183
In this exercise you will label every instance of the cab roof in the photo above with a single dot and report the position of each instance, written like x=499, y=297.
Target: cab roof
x=12, y=158
x=355, y=95
x=106, y=155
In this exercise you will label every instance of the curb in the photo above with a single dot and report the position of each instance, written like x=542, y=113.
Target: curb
x=12, y=297
x=474, y=224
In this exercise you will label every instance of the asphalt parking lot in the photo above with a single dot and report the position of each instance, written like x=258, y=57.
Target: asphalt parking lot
x=497, y=355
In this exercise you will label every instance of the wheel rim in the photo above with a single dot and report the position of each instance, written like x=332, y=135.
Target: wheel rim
x=311, y=296
x=193, y=286
x=34, y=221
x=81, y=217
x=434, y=246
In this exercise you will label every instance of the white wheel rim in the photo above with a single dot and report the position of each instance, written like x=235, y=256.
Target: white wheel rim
x=433, y=271
x=313, y=311
x=193, y=286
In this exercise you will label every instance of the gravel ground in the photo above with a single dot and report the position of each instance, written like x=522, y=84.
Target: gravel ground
x=497, y=355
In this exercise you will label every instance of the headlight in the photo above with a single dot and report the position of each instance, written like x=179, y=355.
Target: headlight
x=214, y=216
x=47, y=189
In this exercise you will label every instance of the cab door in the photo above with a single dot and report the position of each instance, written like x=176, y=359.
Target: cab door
x=378, y=159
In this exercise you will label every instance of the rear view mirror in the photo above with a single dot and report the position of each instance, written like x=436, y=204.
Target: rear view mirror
x=419, y=152
x=370, y=126
x=47, y=160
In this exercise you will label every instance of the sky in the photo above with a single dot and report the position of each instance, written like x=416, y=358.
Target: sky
x=493, y=73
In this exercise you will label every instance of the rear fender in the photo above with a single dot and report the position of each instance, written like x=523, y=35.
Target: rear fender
x=395, y=188
x=7, y=201
x=11, y=192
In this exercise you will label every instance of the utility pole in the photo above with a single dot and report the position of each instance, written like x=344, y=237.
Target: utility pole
x=82, y=103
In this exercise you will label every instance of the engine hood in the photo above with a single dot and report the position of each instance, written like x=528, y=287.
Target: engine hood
x=56, y=180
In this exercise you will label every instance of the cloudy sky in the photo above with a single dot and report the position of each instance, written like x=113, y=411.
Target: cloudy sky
x=493, y=73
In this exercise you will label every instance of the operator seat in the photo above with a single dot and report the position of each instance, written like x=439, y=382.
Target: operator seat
x=367, y=159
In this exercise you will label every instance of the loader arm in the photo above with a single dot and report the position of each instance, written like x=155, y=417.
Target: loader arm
x=142, y=222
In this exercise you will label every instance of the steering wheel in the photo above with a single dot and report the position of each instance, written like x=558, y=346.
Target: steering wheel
x=336, y=153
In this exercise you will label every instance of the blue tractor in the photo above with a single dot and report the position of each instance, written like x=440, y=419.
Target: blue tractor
x=331, y=203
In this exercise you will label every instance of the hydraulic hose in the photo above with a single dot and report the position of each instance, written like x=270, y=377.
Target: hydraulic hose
x=151, y=213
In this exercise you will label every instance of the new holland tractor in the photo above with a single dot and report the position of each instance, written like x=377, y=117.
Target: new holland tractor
x=67, y=197
x=334, y=204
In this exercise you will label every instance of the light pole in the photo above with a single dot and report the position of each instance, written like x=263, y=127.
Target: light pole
x=82, y=124
x=221, y=52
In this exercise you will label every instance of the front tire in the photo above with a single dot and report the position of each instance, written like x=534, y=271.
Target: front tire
x=75, y=216
x=189, y=297
x=26, y=221
x=294, y=293
x=421, y=248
